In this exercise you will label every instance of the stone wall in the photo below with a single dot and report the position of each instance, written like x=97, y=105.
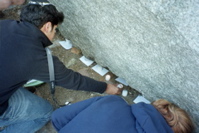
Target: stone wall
x=153, y=44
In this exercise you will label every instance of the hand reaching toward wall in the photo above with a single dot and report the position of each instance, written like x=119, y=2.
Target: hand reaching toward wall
x=112, y=89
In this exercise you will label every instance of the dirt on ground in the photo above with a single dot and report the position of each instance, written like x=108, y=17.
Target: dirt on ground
x=71, y=59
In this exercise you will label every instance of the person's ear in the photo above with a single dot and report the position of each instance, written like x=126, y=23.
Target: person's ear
x=47, y=27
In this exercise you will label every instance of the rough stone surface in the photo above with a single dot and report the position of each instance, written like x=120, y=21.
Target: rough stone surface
x=153, y=44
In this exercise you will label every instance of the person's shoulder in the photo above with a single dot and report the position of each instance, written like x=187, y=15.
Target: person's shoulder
x=149, y=118
x=113, y=97
x=9, y=22
x=144, y=106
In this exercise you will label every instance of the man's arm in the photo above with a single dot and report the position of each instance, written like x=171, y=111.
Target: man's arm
x=69, y=79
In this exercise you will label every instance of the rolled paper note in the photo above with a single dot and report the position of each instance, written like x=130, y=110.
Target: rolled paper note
x=124, y=93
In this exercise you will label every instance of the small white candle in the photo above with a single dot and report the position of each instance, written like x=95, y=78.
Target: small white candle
x=107, y=77
x=124, y=93
x=120, y=86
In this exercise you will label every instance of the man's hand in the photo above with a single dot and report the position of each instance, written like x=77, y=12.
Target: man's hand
x=112, y=89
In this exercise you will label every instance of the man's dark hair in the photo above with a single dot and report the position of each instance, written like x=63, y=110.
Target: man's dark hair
x=38, y=15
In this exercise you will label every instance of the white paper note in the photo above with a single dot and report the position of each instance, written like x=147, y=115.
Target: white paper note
x=141, y=99
x=100, y=70
x=66, y=44
x=86, y=61
x=121, y=80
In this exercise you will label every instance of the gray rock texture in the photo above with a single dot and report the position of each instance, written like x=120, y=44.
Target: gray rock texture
x=153, y=44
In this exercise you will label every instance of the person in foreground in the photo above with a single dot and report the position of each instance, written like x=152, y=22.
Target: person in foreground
x=111, y=114
x=23, y=57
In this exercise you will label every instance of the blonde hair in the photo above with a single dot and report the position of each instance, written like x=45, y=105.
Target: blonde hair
x=177, y=118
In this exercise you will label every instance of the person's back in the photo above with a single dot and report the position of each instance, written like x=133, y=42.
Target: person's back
x=20, y=47
x=109, y=114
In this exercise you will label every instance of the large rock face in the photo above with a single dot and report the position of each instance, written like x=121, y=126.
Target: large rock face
x=153, y=44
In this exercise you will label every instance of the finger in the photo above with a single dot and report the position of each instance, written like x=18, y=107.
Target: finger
x=119, y=91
